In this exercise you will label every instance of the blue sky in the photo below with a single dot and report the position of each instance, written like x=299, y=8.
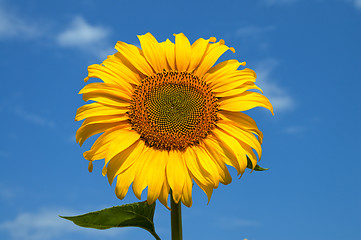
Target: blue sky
x=307, y=55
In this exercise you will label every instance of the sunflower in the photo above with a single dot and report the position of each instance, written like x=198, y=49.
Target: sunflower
x=168, y=117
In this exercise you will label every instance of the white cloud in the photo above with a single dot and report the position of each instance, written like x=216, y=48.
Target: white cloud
x=293, y=129
x=13, y=25
x=80, y=34
x=6, y=192
x=357, y=3
x=46, y=225
x=279, y=97
x=36, y=226
x=33, y=118
x=253, y=31
x=254, y=35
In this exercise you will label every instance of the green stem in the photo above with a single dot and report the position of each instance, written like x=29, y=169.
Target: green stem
x=176, y=219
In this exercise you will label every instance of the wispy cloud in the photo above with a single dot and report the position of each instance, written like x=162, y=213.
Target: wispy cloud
x=46, y=224
x=254, y=35
x=84, y=36
x=6, y=192
x=357, y=3
x=278, y=2
x=279, y=97
x=253, y=31
x=13, y=25
x=79, y=34
x=33, y=118
x=293, y=129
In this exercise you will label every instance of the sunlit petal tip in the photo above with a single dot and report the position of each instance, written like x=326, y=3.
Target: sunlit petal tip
x=212, y=39
x=86, y=155
x=209, y=197
x=188, y=204
x=90, y=166
x=176, y=198
x=164, y=194
x=120, y=197
x=243, y=63
x=222, y=42
x=270, y=107
x=105, y=170
x=86, y=79
x=232, y=49
x=137, y=194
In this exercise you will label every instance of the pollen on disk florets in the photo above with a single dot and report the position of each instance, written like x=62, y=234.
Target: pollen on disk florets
x=173, y=110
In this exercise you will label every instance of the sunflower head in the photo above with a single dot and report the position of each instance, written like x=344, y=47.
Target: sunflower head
x=169, y=118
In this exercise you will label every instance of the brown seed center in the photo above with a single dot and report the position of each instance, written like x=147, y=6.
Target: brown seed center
x=173, y=110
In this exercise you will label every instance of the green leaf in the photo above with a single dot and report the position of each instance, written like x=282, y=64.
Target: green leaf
x=256, y=168
x=129, y=215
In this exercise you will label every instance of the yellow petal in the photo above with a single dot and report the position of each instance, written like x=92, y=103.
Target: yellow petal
x=246, y=101
x=153, y=52
x=123, y=141
x=140, y=180
x=219, y=161
x=207, y=189
x=187, y=191
x=106, y=99
x=169, y=49
x=120, y=66
x=192, y=165
x=210, y=58
x=230, y=144
x=90, y=166
x=101, y=145
x=95, y=125
x=207, y=166
x=135, y=56
x=232, y=81
x=164, y=194
x=251, y=155
x=123, y=182
x=176, y=174
x=242, y=121
x=222, y=151
x=221, y=70
x=110, y=89
x=182, y=52
x=156, y=177
x=216, y=151
x=98, y=109
x=105, y=74
x=241, y=135
x=106, y=119
x=228, y=73
x=123, y=160
x=234, y=89
x=198, y=50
